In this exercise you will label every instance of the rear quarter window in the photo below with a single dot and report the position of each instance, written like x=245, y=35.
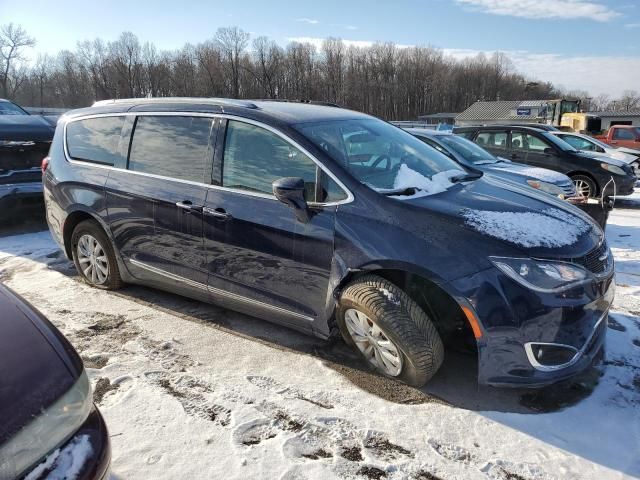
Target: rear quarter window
x=95, y=140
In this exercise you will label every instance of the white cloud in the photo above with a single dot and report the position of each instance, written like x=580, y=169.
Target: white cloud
x=310, y=21
x=345, y=26
x=563, y=9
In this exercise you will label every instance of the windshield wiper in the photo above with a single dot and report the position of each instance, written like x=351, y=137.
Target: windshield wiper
x=466, y=177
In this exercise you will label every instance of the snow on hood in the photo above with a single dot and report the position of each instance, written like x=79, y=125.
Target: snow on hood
x=409, y=178
x=544, y=174
x=547, y=228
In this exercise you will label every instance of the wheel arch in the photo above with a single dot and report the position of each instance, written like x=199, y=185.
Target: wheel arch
x=428, y=292
x=586, y=174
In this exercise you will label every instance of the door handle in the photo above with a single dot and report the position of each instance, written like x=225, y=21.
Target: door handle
x=218, y=213
x=514, y=155
x=188, y=207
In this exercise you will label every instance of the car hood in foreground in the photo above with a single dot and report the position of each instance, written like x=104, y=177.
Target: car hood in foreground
x=496, y=217
x=37, y=364
x=25, y=128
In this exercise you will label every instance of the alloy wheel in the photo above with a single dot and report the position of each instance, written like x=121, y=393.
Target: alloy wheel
x=373, y=343
x=92, y=259
x=582, y=187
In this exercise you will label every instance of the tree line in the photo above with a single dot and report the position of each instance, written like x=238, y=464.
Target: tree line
x=384, y=80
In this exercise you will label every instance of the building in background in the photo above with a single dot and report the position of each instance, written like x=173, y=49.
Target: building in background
x=609, y=118
x=503, y=112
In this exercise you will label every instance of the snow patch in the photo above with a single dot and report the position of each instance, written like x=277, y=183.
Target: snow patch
x=390, y=296
x=409, y=178
x=64, y=464
x=548, y=228
x=544, y=174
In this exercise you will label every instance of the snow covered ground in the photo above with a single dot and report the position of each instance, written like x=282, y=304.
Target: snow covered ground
x=190, y=390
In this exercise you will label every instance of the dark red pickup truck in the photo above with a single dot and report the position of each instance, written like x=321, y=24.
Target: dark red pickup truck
x=622, y=136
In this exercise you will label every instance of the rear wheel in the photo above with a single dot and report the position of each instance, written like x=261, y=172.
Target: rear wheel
x=393, y=334
x=585, y=186
x=94, y=257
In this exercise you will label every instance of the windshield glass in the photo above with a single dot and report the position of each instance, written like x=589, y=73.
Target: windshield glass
x=598, y=142
x=561, y=144
x=374, y=152
x=467, y=149
x=8, y=108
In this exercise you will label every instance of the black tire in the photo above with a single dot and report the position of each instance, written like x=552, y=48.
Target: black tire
x=90, y=227
x=588, y=182
x=401, y=320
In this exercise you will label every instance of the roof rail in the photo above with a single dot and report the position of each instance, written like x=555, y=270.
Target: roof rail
x=310, y=102
x=206, y=100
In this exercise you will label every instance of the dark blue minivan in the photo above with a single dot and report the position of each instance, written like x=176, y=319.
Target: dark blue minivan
x=327, y=220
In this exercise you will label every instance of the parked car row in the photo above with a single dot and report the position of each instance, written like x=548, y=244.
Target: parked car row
x=324, y=220
x=594, y=174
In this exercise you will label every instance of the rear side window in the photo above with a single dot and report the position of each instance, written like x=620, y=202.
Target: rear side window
x=492, y=139
x=95, y=140
x=175, y=147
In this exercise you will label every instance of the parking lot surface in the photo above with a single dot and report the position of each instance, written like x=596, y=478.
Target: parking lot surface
x=190, y=390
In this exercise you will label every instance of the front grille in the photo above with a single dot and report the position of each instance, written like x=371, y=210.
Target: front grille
x=597, y=260
x=22, y=157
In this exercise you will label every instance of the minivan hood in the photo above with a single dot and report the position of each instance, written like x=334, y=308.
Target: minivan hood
x=37, y=367
x=25, y=128
x=501, y=218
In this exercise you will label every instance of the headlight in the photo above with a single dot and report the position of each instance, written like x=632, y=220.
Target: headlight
x=539, y=275
x=46, y=431
x=546, y=187
x=613, y=169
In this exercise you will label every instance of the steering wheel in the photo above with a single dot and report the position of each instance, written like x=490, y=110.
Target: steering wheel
x=379, y=160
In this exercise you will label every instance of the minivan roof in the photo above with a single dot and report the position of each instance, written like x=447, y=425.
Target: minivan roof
x=288, y=112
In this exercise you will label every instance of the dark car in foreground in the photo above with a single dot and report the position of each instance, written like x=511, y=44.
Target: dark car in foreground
x=24, y=141
x=326, y=220
x=473, y=156
x=593, y=175
x=49, y=427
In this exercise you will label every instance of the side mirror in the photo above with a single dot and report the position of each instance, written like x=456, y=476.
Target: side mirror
x=600, y=149
x=290, y=191
x=549, y=151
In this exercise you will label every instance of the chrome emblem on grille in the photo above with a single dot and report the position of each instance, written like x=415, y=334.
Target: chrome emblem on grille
x=604, y=256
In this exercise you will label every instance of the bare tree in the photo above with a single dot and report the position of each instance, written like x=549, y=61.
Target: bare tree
x=13, y=41
x=232, y=42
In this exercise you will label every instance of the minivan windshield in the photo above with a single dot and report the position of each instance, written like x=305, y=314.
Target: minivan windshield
x=375, y=152
x=467, y=149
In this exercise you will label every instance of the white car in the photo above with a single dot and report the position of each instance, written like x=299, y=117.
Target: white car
x=586, y=143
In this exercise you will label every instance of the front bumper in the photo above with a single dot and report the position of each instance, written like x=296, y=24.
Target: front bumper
x=624, y=186
x=96, y=465
x=512, y=316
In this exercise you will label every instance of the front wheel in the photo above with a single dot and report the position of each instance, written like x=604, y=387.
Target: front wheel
x=585, y=186
x=94, y=257
x=393, y=334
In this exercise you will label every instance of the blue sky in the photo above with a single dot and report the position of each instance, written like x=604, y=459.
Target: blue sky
x=586, y=44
